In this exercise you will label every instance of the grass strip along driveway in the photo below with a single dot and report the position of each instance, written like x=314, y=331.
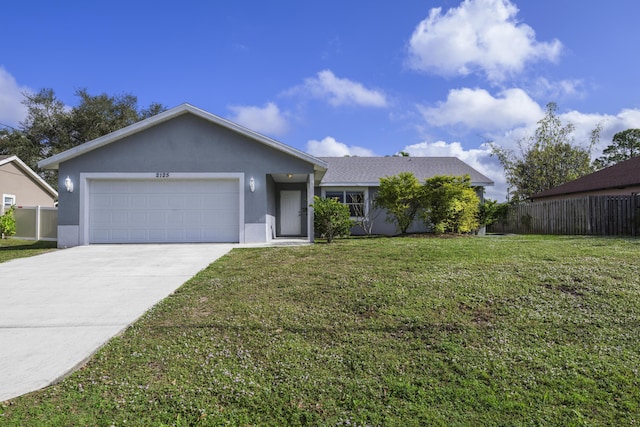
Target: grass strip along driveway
x=382, y=331
x=16, y=248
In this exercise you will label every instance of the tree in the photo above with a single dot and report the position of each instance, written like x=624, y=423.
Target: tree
x=99, y=115
x=451, y=204
x=16, y=142
x=51, y=127
x=547, y=159
x=626, y=144
x=331, y=218
x=403, y=197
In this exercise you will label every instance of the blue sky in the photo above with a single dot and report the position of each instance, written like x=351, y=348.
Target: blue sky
x=433, y=78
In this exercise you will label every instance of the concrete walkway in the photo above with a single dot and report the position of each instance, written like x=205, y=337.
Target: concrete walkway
x=58, y=308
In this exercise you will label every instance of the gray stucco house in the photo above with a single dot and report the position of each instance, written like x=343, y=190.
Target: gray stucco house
x=355, y=181
x=186, y=175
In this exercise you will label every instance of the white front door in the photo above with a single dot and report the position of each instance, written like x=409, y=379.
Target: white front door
x=290, y=207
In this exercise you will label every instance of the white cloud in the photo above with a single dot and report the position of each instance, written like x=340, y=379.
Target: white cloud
x=268, y=119
x=478, y=109
x=584, y=124
x=329, y=147
x=478, y=158
x=12, y=111
x=479, y=35
x=557, y=90
x=339, y=92
x=611, y=124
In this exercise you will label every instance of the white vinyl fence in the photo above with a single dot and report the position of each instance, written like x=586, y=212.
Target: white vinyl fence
x=36, y=223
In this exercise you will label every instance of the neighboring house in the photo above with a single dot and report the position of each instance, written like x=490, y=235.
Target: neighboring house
x=355, y=181
x=186, y=175
x=20, y=185
x=621, y=179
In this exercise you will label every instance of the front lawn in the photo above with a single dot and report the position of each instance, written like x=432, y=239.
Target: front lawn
x=17, y=248
x=402, y=331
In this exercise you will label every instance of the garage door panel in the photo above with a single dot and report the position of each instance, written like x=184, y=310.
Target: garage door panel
x=119, y=233
x=194, y=218
x=176, y=201
x=138, y=235
x=101, y=219
x=156, y=235
x=194, y=201
x=138, y=202
x=156, y=201
x=138, y=211
x=209, y=202
x=138, y=219
x=120, y=218
x=100, y=201
x=175, y=219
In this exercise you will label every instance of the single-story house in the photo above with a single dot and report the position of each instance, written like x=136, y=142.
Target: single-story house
x=21, y=185
x=621, y=179
x=186, y=175
x=355, y=181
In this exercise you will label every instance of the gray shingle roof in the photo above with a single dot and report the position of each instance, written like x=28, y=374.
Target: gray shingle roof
x=367, y=171
x=620, y=175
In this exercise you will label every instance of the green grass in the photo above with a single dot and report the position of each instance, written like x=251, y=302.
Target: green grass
x=406, y=331
x=16, y=248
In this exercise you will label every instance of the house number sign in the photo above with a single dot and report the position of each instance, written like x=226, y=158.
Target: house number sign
x=162, y=174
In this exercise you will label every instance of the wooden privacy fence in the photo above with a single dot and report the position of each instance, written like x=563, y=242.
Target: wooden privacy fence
x=590, y=215
x=36, y=223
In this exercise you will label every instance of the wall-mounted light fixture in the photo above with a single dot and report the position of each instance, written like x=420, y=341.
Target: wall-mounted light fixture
x=252, y=184
x=289, y=175
x=68, y=184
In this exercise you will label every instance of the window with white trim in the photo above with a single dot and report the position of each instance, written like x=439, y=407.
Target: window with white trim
x=354, y=198
x=8, y=200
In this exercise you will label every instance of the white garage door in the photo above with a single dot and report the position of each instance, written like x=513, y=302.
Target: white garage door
x=163, y=211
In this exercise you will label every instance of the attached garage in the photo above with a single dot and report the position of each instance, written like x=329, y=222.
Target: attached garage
x=183, y=176
x=163, y=210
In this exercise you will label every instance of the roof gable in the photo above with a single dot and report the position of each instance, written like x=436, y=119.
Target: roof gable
x=367, y=171
x=29, y=172
x=620, y=175
x=54, y=161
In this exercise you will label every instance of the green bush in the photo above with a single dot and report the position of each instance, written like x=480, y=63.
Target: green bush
x=331, y=218
x=402, y=196
x=491, y=211
x=8, y=223
x=451, y=204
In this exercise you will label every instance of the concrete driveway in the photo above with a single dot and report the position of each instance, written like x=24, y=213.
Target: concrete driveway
x=58, y=308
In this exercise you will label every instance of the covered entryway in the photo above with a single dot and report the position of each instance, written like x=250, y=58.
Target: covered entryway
x=163, y=210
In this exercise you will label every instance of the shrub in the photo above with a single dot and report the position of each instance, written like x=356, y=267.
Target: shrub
x=8, y=223
x=491, y=211
x=403, y=198
x=331, y=218
x=451, y=204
